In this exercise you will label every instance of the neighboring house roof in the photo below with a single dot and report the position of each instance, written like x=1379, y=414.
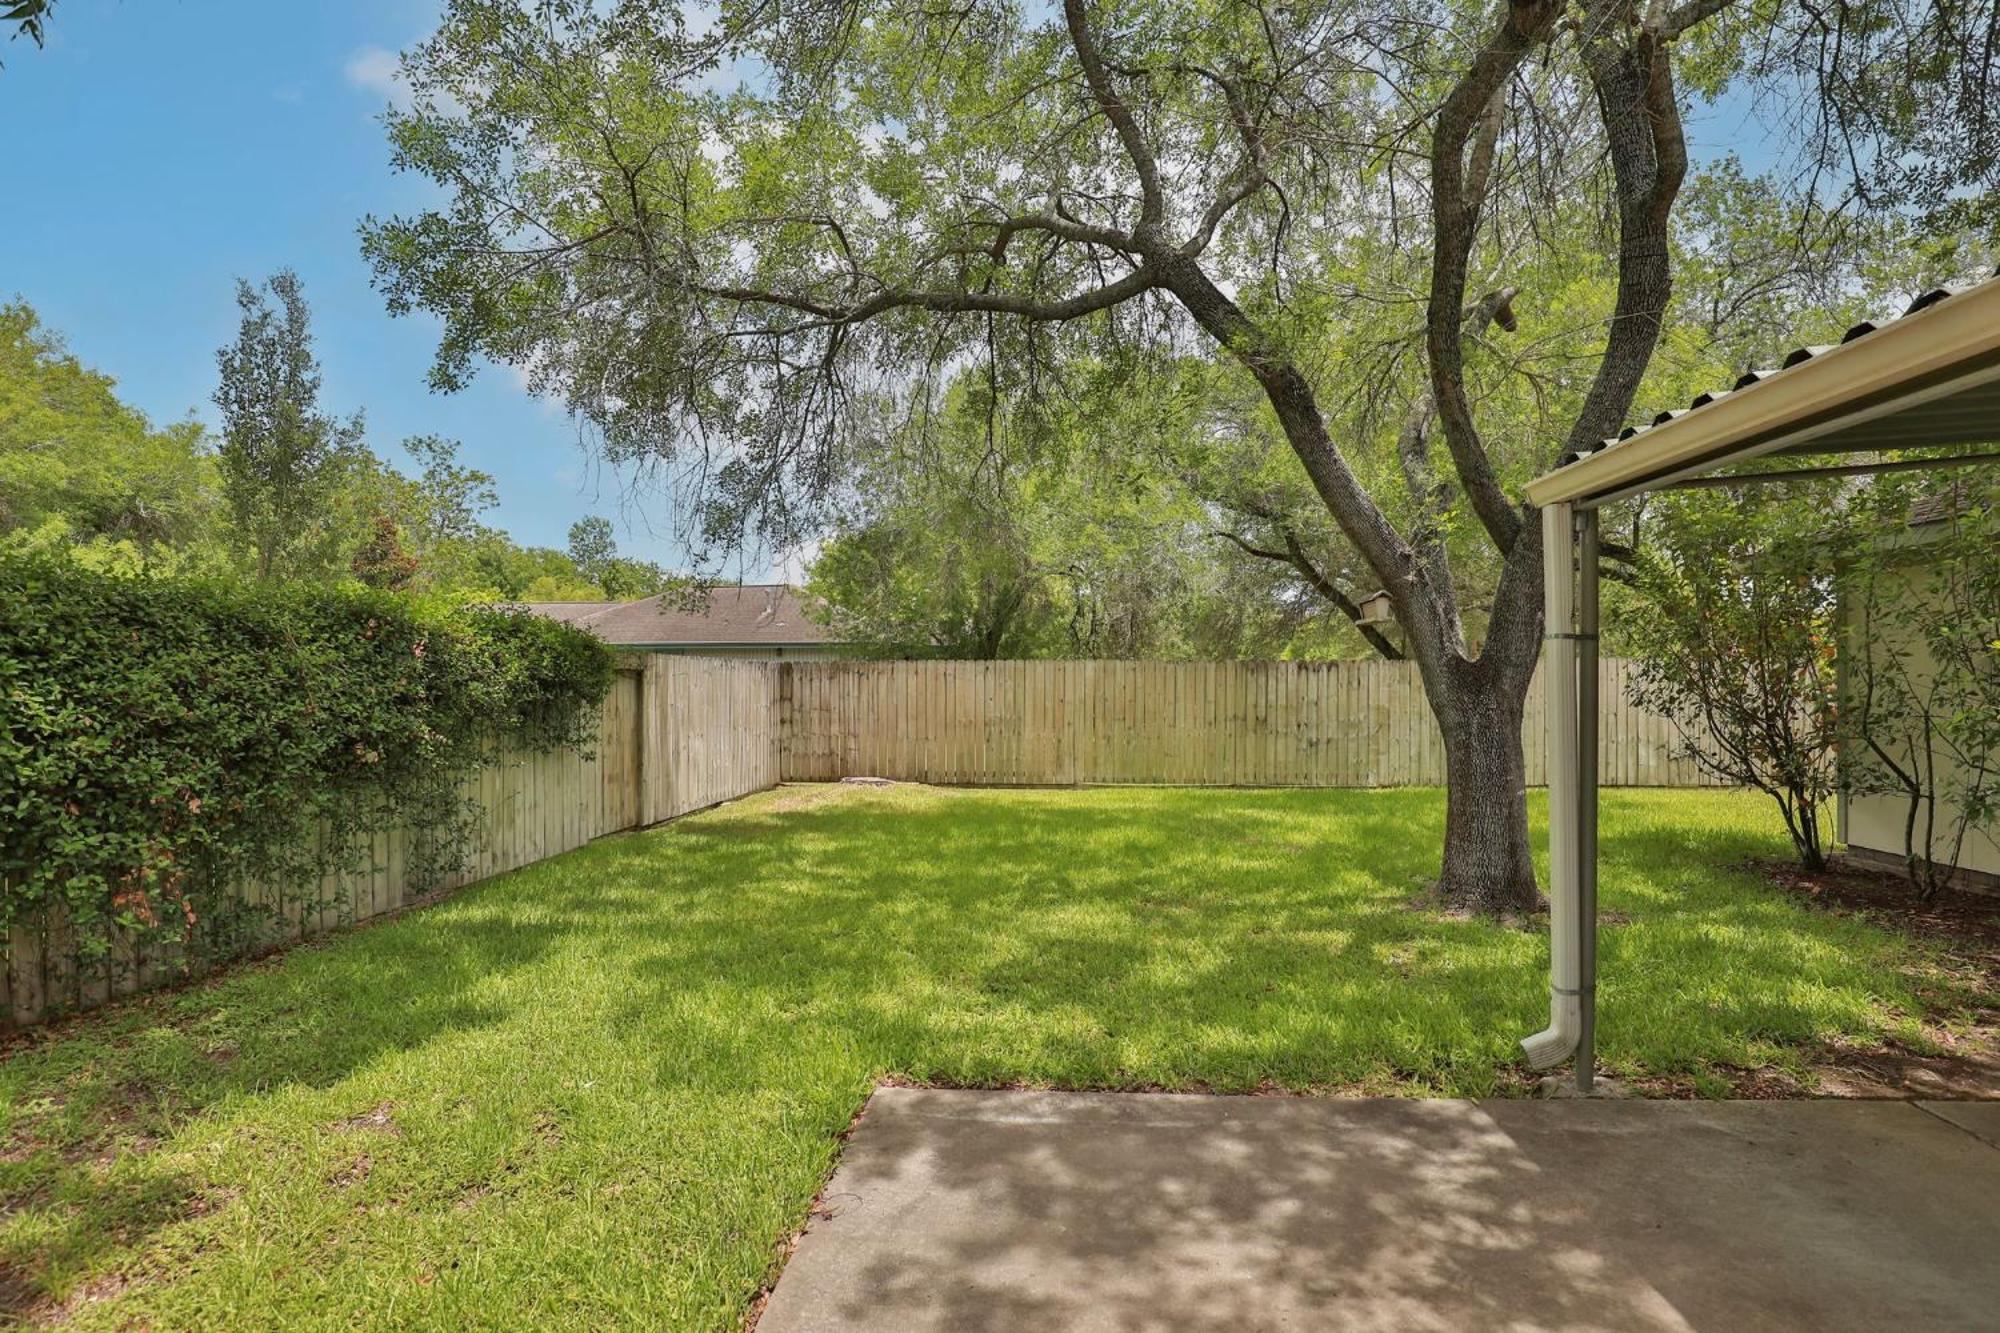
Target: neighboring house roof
x=749, y=613
x=570, y=613
x=1952, y=502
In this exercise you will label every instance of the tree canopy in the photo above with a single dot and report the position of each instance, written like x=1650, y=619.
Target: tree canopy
x=282, y=458
x=977, y=534
x=78, y=465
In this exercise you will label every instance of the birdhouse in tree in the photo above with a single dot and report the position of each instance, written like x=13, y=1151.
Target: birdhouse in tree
x=1377, y=609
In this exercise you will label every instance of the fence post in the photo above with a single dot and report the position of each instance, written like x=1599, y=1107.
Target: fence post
x=653, y=740
x=784, y=727
x=26, y=996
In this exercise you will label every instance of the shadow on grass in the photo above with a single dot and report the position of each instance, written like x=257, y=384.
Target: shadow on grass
x=90, y=1102
x=1162, y=943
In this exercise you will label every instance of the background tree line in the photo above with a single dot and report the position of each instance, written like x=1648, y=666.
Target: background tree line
x=284, y=491
x=1148, y=509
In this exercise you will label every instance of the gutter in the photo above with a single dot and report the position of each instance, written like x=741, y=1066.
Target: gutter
x=1934, y=353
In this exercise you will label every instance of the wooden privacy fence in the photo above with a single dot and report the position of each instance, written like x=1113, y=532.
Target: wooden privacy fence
x=677, y=734
x=1278, y=724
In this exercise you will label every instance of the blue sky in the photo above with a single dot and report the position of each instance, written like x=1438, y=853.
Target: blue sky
x=159, y=149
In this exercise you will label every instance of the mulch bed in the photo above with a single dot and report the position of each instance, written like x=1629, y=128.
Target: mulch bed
x=1967, y=923
x=1964, y=927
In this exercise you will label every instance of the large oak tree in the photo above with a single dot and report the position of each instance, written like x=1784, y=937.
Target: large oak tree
x=725, y=242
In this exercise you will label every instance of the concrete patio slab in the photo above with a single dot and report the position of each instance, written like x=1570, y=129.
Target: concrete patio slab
x=1980, y=1119
x=1083, y=1211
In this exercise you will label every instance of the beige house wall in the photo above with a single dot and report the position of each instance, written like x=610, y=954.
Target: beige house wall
x=1875, y=823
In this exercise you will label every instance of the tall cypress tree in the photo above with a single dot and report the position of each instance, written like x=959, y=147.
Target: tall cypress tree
x=282, y=458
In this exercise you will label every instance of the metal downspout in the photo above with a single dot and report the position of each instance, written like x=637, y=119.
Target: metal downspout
x=1554, y=1044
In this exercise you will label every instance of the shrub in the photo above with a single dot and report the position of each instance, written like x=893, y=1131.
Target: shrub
x=166, y=742
x=1736, y=645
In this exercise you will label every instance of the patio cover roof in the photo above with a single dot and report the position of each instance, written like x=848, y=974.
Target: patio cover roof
x=1928, y=378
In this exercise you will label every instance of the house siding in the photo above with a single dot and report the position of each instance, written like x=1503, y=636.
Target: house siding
x=1874, y=824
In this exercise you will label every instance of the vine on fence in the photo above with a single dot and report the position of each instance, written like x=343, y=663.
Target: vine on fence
x=165, y=743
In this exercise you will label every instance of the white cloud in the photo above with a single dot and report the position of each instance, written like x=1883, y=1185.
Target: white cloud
x=522, y=378
x=701, y=17
x=792, y=565
x=377, y=71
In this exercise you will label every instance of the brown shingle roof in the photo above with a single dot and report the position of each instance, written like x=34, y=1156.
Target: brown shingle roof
x=750, y=613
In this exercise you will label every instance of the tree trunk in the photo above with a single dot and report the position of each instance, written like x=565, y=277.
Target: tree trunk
x=1479, y=702
x=1488, y=861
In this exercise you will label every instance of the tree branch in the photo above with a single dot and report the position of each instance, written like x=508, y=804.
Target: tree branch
x=1255, y=170
x=1138, y=281
x=1458, y=191
x=1152, y=205
x=1261, y=552
x=1294, y=555
x=1682, y=17
x=1648, y=151
x=1432, y=494
x=1068, y=229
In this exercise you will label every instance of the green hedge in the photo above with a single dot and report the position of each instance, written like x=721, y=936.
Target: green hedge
x=164, y=742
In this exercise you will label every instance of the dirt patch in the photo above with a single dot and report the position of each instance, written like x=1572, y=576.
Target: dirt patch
x=90, y=1293
x=806, y=796
x=1430, y=901
x=212, y=1201
x=380, y=1119
x=1969, y=1072
x=353, y=1173
x=1967, y=923
x=18, y=1296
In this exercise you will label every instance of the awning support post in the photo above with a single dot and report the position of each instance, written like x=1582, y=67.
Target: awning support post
x=1555, y=1043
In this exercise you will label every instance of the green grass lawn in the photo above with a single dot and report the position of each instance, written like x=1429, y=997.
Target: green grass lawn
x=605, y=1089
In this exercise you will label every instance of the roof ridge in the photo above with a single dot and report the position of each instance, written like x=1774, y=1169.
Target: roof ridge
x=610, y=607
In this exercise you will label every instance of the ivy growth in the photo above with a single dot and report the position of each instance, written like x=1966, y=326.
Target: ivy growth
x=167, y=744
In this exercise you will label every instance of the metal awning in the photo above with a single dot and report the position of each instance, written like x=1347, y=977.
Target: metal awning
x=1927, y=380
